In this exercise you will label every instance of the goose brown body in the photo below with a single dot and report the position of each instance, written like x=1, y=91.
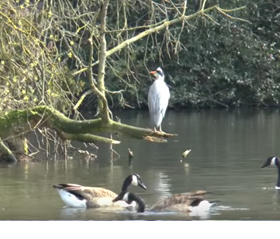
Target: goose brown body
x=182, y=202
x=95, y=196
x=179, y=202
x=75, y=195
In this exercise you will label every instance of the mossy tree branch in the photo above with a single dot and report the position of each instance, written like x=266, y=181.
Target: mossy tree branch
x=16, y=123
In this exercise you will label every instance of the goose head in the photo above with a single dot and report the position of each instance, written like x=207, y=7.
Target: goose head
x=133, y=179
x=272, y=161
x=158, y=74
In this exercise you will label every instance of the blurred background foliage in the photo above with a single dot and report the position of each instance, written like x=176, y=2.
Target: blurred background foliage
x=209, y=61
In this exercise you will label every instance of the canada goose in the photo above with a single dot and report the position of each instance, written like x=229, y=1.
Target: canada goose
x=182, y=202
x=276, y=162
x=158, y=98
x=75, y=195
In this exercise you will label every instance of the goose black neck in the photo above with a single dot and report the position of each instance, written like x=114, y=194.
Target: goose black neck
x=139, y=201
x=126, y=184
x=278, y=181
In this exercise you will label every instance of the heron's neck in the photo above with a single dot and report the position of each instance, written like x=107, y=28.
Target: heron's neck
x=160, y=78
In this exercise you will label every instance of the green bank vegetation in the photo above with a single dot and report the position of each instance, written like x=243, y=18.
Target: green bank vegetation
x=58, y=58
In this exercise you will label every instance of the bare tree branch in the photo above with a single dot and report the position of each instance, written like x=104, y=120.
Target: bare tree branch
x=162, y=26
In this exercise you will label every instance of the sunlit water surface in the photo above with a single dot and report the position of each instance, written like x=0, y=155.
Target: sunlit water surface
x=228, y=149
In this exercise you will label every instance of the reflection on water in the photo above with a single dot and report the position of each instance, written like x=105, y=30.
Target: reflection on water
x=228, y=149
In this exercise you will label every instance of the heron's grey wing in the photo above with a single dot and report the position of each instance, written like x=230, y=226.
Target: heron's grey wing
x=164, y=98
x=153, y=98
x=158, y=97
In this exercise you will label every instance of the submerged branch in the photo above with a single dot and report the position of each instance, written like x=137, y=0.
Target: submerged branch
x=7, y=153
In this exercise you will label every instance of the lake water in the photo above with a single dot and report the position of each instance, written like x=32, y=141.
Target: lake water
x=228, y=150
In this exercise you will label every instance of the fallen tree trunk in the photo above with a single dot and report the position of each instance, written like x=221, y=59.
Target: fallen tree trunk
x=15, y=124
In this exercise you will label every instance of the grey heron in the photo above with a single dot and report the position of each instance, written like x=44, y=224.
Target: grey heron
x=158, y=98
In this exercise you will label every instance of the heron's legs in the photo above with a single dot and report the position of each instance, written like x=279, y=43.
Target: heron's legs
x=157, y=129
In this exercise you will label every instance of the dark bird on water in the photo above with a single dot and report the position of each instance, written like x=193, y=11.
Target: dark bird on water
x=274, y=161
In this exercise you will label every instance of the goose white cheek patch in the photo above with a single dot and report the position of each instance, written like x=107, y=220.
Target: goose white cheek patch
x=273, y=161
x=134, y=180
